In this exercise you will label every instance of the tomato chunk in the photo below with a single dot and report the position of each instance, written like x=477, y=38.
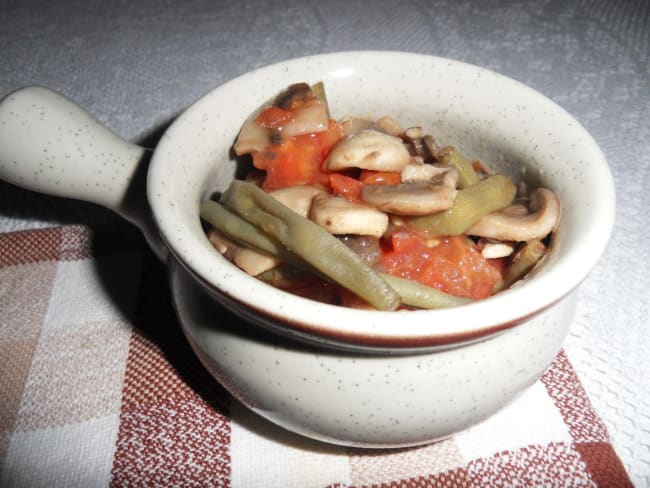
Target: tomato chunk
x=345, y=186
x=450, y=264
x=298, y=160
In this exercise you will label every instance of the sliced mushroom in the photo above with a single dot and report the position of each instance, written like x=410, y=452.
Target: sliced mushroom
x=415, y=197
x=249, y=260
x=432, y=148
x=340, y=216
x=510, y=224
x=417, y=170
x=390, y=125
x=254, y=262
x=353, y=125
x=491, y=249
x=298, y=198
x=386, y=124
x=221, y=243
x=252, y=137
x=309, y=119
x=368, y=149
x=414, y=136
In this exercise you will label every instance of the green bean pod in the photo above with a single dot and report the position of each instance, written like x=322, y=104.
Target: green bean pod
x=416, y=295
x=467, y=175
x=238, y=229
x=525, y=259
x=319, y=90
x=311, y=242
x=471, y=203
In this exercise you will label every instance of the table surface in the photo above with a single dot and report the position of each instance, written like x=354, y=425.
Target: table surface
x=137, y=65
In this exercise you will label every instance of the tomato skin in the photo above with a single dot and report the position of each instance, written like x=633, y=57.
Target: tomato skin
x=380, y=177
x=298, y=160
x=346, y=187
x=450, y=264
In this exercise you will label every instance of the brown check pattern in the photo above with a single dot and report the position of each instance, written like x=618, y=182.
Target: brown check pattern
x=99, y=388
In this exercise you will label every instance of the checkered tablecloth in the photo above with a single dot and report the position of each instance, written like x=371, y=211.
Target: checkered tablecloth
x=98, y=387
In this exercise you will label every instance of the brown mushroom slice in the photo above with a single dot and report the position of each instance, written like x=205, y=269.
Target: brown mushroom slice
x=298, y=198
x=414, y=136
x=296, y=93
x=340, y=216
x=414, y=197
x=510, y=224
x=368, y=149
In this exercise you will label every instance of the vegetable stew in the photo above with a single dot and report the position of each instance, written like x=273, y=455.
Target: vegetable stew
x=364, y=213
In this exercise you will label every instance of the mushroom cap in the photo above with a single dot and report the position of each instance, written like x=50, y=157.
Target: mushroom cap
x=341, y=216
x=368, y=149
x=413, y=197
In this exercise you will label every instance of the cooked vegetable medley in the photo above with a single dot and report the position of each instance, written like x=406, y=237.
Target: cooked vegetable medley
x=366, y=214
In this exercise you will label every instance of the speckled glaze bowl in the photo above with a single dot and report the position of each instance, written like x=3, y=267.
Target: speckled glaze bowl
x=352, y=377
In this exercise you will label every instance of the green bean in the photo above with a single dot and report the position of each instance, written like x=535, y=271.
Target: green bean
x=311, y=242
x=238, y=229
x=319, y=90
x=471, y=203
x=243, y=232
x=525, y=259
x=417, y=295
x=453, y=158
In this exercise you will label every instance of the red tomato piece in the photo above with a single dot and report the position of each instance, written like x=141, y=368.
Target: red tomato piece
x=452, y=264
x=380, y=177
x=298, y=160
x=345, y=186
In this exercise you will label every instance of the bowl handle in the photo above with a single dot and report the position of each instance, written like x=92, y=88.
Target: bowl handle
x=51, y=145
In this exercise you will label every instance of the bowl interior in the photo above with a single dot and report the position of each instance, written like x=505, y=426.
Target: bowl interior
x=509, y=126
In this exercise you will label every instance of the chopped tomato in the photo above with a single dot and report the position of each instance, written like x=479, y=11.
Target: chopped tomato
x=451, y=264
x=345, y=186
x=380, y=177
x=298, y=160
x=404, y=241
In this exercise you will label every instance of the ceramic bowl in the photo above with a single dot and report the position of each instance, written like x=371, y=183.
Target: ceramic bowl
x=352, y=377
x=506, y=124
